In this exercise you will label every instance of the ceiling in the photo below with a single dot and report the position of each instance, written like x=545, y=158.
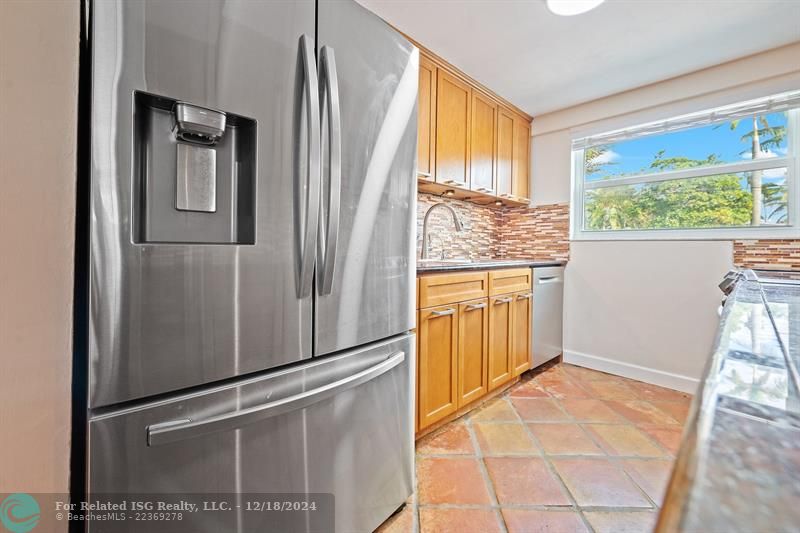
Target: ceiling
x=543, y=62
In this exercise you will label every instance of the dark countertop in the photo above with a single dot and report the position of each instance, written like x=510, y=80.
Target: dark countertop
x=738, y=468
x=484, y=264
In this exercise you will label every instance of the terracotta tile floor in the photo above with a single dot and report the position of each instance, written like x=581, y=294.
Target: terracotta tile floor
x=569, y=450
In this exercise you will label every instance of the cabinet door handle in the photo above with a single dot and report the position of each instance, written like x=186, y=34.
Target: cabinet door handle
x=473, y=307
x=424, y=174
x=484, y=189
x=443, y=312
x=502, y=301
x=454, y=182
x=524, y=296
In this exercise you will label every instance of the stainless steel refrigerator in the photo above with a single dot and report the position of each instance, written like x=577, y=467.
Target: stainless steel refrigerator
x=251, y=255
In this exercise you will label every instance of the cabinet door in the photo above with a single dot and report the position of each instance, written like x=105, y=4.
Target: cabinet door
x=505, y=151
x=426, y=121
x=452, y=129
x=500, y=323
x=520, y=183
x=473, y=346
x=438, y=363
x=521, y=327
x=483, y=126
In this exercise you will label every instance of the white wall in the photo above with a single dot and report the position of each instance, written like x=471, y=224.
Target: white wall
x=647, y=309
x=38, y=121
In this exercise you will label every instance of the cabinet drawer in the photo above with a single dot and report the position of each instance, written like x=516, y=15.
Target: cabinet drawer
x=440, y=289
x=510, y=280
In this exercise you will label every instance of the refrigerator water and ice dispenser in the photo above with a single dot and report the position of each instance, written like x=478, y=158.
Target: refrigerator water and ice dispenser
x=196, y=178
x=194, y=173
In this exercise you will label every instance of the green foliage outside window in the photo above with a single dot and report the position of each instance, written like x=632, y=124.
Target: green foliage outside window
x=721, y=200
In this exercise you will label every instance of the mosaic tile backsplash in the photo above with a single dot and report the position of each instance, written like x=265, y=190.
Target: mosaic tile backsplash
x=520, y=232
x=542, y=232
x=767, y=253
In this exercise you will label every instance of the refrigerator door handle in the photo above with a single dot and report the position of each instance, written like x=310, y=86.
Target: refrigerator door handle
x=329, y=97
x=307, y=242
x=177, y=430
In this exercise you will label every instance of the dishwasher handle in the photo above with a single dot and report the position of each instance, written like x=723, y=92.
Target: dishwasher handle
x=549, y=279
x=185, y=428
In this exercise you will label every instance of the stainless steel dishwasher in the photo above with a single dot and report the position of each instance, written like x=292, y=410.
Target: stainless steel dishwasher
x=548, y=305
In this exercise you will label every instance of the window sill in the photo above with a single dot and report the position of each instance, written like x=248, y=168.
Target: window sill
x=729, y=234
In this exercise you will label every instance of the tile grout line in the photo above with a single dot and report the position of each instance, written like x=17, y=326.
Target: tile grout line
x=487, y=480
x=619, y=468
x=552, y=469
x=550, y=466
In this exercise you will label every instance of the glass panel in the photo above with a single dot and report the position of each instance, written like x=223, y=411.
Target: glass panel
x=726, y=142
x=718, y=201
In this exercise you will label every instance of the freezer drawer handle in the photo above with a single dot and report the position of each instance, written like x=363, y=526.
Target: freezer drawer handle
x=177, y=430
x=329, y=97
x=307, y=236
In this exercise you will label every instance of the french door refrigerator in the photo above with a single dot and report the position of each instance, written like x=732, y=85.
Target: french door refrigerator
x=251, y=256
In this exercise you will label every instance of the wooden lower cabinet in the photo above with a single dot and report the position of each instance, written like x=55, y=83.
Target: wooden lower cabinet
x=477, y=343
x=473, y=342
x=521, y=325
x=437, y=370
x=500, y=324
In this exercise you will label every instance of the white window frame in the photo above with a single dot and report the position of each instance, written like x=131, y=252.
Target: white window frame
x=791, y=161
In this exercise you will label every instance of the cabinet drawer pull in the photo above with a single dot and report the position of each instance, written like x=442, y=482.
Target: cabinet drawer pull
x=455, y=182
x=423, y=174
x=473, y=307
x=502, y=301
x=484, y=189
x=443, y=312
x=524, y=296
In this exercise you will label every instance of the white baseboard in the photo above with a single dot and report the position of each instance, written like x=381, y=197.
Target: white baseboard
x=628, y=370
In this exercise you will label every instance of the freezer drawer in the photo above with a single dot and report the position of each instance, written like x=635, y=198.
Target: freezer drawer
x=340, y=425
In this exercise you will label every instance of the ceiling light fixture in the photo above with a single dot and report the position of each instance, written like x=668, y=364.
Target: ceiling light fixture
x=568, y=8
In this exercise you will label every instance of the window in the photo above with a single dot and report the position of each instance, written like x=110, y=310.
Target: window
x=730, y=172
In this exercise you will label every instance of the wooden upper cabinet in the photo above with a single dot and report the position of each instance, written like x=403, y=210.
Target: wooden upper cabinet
x=426, y=121
x=505, y=151
x=473, y=345
x=437, y=371
x=483, y=126
x=452, y=129
x=520, y=180
x=470, y=140
x=500, y=321
x=521, y=326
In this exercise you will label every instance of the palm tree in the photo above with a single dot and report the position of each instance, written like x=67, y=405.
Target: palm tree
x=762, y=138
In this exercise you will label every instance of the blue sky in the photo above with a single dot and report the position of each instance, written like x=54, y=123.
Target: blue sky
x=634, y=156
